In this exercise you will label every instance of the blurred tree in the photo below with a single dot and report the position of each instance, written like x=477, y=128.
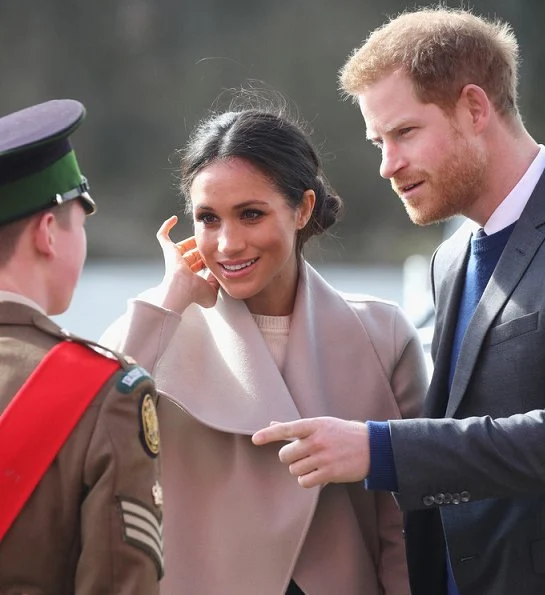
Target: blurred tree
x=148, y=70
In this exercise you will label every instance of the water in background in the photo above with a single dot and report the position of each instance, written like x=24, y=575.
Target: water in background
x=104, y=288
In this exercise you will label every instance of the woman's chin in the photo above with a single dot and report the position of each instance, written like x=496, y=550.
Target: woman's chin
x=237, y=293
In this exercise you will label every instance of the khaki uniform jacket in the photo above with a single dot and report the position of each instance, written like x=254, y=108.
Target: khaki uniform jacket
x=236, y=521
x=92, y=525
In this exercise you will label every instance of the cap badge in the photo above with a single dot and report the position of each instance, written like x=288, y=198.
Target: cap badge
x=149, y=431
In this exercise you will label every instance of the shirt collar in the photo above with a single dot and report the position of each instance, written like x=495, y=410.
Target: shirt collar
x=510, y=209
x=9, y=296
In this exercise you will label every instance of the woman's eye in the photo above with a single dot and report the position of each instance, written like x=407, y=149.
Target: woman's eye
x=251, y=214
x=206, y=218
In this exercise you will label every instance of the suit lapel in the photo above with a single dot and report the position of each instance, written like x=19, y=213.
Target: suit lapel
x=524, y=242
x=449, y=274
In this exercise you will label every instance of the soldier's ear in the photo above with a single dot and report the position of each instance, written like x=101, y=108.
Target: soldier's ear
x=44, y=228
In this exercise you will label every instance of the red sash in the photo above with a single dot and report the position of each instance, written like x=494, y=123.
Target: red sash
x=41, y=416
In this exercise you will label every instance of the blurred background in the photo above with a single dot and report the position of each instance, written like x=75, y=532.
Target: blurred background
x=149, y=70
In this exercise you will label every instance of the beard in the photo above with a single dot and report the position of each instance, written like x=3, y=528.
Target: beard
x=452, y=189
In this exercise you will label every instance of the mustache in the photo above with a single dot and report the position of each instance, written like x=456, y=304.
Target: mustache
x=400, y=182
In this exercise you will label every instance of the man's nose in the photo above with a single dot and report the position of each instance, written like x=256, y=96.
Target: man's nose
x=392, y=161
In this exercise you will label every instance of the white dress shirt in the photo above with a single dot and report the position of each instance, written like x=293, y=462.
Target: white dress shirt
x=513, y=204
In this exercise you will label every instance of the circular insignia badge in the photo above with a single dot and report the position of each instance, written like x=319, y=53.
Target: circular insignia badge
x=149, y=426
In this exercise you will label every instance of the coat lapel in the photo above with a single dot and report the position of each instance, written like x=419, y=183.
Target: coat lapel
x=332, y=367
x=219, y=368
x=230, y=381
x=306, y=343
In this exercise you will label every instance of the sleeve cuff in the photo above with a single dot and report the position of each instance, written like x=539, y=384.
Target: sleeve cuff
x=382, y=473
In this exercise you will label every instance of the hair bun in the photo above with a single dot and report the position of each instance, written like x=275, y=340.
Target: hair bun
x=330, y=211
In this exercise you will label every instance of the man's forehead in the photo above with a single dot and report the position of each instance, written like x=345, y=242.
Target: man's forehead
x=384, y=117
x=389, y=104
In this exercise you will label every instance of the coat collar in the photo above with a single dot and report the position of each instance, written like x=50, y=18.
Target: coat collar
x=21, y=314
x=219, y=368
x=16, y=313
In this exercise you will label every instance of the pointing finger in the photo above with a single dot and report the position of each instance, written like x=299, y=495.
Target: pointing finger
x=312, y=479
x=283, y=431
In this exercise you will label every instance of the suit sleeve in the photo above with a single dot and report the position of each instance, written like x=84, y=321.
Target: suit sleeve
x=471, y=459
x=121, y=514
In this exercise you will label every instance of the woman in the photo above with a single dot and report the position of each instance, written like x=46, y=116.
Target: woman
x=260, y=337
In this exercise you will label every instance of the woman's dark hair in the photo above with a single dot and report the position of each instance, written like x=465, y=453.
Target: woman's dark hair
x=278, y=147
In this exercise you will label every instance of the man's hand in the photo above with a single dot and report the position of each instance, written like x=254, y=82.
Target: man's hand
x=321, y=450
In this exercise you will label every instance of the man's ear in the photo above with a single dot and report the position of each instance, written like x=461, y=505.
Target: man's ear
x=45, y=226
x=478, y=105
x=305, y=208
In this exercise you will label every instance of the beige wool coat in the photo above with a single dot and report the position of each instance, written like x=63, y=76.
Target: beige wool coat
x=235, y=521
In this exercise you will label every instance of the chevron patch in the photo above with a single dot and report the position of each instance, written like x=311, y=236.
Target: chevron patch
x=144, y=530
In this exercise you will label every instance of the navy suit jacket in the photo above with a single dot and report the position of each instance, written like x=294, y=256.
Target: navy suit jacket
x=478, y=474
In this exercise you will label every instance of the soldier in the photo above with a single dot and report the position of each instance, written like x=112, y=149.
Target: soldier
x=80, y=498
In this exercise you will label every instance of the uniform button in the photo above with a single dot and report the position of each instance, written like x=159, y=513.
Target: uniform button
x=456, y=498
x=428, y=500
x=439, y=498
x=464, y=496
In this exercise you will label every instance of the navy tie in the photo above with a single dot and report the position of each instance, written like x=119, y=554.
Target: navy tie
x=485, y=251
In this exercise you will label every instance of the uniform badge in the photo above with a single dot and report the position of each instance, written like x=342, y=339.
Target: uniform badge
x=149, y=426
x=144, y=530
x=157, y=493
x=131, y=378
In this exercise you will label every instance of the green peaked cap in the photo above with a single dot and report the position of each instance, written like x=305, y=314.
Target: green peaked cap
x=38, y=166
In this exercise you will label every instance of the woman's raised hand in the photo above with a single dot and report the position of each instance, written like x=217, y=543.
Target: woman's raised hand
x=181, y=285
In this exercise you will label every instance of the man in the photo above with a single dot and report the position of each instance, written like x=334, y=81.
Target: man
x=438, y=92
x=80, y=498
